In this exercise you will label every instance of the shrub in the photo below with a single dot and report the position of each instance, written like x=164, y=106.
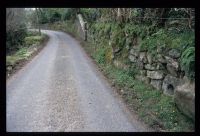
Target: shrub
x=168, y=40
x=109, y=55
x=100, y=55
x=15, y=38
x=188, y=62
x=117, y=38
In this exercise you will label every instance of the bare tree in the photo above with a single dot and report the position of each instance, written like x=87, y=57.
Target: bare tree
x=15, y=17
x=38, y=24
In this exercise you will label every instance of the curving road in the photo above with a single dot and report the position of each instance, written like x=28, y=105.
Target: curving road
x=61, y=90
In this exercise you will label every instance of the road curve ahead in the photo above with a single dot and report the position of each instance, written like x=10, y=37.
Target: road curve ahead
x=61, y=90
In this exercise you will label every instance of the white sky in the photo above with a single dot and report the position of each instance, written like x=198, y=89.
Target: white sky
x=30, y=8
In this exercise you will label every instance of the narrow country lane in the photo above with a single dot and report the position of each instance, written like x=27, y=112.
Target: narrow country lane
x=61, y=90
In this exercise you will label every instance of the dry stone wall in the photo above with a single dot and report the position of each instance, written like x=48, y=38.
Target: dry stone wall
x=163, y=72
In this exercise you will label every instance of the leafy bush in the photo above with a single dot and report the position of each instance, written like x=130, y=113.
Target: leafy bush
x=100, y=56
x=188, y=62
x=159, y=38
x=117, y=38
x=168, y=40
x=68, y=14
x=89, y=14
x=109, y=55
x=15, y=38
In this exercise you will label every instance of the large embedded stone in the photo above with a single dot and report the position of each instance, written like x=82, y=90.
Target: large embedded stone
x=184, y=98
x=155, y=74
x=174, y=53
x=132, y=58
x=169, y=84
x=143, y=57
x=156, y=83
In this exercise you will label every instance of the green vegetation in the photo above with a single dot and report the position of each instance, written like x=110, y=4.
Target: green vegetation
x=21, y=54
x=25, y=51
x=188, y=62
x=15, y=38
x=153, y=107
x=167, y=39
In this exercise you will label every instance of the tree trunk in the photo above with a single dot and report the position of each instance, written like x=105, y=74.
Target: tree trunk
x=38, y=21
x=119, y=15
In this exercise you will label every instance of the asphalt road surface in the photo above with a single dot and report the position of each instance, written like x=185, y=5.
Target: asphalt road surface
x=61, y=90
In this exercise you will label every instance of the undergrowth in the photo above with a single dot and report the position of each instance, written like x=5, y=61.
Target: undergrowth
x=154, y=108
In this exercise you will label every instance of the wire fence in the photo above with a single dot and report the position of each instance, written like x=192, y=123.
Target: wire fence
x=155, y=18
x=161, y=18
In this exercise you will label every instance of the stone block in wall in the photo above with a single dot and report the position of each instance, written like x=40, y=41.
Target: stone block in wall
x=160, y=66
x=143, y=72
x=140, y=65
x=155, y=74
x=184, y=97
x=169, y=84
x=150, y=66
x=156, y=83
x=134, y=52
x=172, y=62
x=150, y=58
x=172, y=66
x=143, y=57
x=160, y=58
x=132, y=58
x=143, y=78
x=174, y=53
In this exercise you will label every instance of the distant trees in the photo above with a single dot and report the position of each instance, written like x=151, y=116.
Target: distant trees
x=51, y=15
x=150, y=16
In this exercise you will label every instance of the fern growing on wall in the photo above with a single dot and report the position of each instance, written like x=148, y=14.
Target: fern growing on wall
x=188, y=62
